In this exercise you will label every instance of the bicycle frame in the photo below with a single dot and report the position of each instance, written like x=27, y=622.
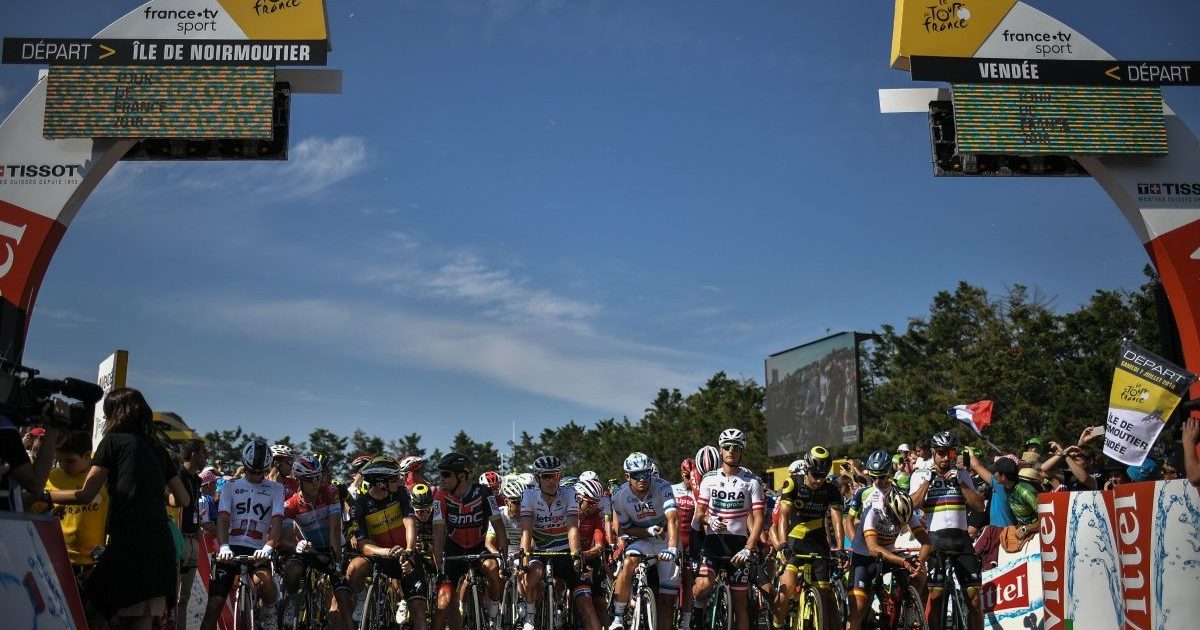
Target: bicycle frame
x=245, y=606
x=473, y=614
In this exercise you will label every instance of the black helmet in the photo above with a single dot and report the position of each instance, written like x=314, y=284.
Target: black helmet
x=454, y=462
x=380, y=469
x=944, y=439
x=256, y=455
x=818, y=461
x=879, y=463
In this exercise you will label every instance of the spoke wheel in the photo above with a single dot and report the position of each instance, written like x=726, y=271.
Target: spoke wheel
x=812, y=612
x=911, y=615
x=721, y=615
x=471, y=609
x=645, y=610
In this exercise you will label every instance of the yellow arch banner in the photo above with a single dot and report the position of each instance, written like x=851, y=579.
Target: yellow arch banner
x=943, y=28
x=278, y=19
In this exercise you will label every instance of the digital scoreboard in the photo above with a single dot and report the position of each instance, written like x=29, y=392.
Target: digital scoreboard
x=1059, y=120
x=159, y=102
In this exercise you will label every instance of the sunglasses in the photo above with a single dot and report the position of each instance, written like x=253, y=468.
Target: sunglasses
x=732, y=446
x=641, y=475
x=550, y=475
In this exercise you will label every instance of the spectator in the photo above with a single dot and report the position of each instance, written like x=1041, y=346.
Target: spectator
x=1114, y=474
x=208, y=499
x=1033, y=445
x=137, y=574
x=194, y=455
x=17, y=471
x=924, y=458
x=1023, y=502
x=1001, y=481
x=1170, y=471
x=32, y=441
x=1146, y=471
x=82, y=525
x=1191, y=450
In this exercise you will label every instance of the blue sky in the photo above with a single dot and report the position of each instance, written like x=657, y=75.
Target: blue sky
x=539, y=211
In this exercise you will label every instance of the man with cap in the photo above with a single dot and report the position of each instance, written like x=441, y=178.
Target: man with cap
x=1033, y=445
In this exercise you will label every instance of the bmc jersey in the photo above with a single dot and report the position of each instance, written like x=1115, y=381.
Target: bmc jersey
x=466, y=518
x=313, y=518
x=877, y=522
x=809, y=505
x=632, y=511
x=945, y=506
x=381, y=520
x=685, y=505
x=549, y=518
x=250, y=507
x=731, y=499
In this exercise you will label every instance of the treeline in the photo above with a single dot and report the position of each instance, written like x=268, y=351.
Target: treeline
x=1048, y=373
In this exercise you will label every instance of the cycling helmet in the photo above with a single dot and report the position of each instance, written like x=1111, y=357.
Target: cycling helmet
x=256, y=457
x=513, y=490
x=589, y=489
x=687, y=466
x=818, y=461
x=380, y=469
x=527, y=479
x=944, y=439
x=899, y=506
x=637, y=462
x=454, y=462
x=708, y=459
x=879, y=463
x=568, y=482
x=411, y=463
x=798, y=468
x=589, y=474
x=654, y=468
x=322, y=460
x=304, y=468
x=547, y=464
x=282, y=450
x=357, y=463
x=732, y=435
x=491, y=480
x=422, y=497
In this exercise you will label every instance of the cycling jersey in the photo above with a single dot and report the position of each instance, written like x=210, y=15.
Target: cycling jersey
x=808, y=505
x=591, y=530
x=685, y=506
x=313, y=518
x=945, y=505
x=381, y=520
x=549, y=518
x=512, y=529
x=731, y=498
x=878, y=522
x=651, y=509
x=250, y=507
x=466, y=518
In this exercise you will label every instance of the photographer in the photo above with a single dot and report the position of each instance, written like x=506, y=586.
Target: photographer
x=17, y=472
x=137, y=573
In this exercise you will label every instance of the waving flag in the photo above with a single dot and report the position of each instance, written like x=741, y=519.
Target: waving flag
x=975, y=415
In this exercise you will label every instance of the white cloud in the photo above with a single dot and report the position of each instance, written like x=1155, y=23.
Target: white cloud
x=315, y=164
x=63, y=317
x=469, y=279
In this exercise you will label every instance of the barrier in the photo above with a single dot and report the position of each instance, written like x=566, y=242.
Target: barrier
x=37, y=588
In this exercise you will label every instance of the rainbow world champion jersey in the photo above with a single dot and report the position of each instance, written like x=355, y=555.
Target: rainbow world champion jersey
x=945, y=506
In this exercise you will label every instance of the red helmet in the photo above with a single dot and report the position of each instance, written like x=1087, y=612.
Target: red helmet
x=491, y=480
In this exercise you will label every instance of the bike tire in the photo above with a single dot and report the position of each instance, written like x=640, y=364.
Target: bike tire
x=721, y=617
x=646, y=614
x=840, y=601
x=370, y=603
x=811, y=614
x=911, y=615
x=546, y=606
x=960, y=610
x=472, y=611
x=243, y=609
x=508, y=606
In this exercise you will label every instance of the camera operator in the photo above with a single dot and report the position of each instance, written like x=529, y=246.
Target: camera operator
x=17, y=471
x=136, y=576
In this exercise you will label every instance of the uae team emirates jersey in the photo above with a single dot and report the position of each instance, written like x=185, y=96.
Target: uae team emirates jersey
x=466, y=518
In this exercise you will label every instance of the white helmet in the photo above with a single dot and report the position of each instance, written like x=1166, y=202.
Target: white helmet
x=588, y=474
x=547, y=464
x=256, y=457
x=282, y=450
x=732, y=435
x=410, y=463
x=589, y=489
x=798, y=467
x=637, y=462
x=708, y=459
x=512, y=490
x=527, y=479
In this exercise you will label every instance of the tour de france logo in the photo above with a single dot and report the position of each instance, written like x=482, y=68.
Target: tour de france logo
x=946, y=16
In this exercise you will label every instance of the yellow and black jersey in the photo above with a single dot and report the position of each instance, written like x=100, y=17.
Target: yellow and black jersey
x=808, y=506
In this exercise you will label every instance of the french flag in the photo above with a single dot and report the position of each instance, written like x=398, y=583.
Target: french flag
x=975, y=415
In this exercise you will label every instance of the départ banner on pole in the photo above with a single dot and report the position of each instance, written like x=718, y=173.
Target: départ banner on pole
x=1146, y=389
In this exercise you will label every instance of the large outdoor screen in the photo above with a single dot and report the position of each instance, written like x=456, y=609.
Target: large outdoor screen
x=812, y=396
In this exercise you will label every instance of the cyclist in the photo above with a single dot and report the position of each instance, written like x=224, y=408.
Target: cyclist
x=282, y=457
x=511, y=492
x=886, y=515
x=550, y=522
x=383, y=530
x=708, y=459
x=411, y=467
x=645, y=511
x=491, y=479
x=685, y=507
x=318, y=517
x=730, y=505
x=249, y=522
x=590, y=494
x=357, y=484
x=422, y=505
x=462, y=513
x=945, y=493
x=879, y=469
x=803, y=503
x=605, y=506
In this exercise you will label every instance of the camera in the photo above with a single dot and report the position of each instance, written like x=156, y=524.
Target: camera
x=26, y=397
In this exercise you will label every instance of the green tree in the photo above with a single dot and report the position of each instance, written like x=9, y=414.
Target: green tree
x=224, y=449
x=333, y=447
x=360, y=442
x=483, y=455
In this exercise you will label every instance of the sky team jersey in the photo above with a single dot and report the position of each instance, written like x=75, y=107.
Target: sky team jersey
x=945, y=506
x=731, y=498
x=381, y=521
x=878, y=523
x=685, y=505
x=549, y=519
x=466, y=518
x=652, y=509
x=808, y=506
x=512, y=529
x=313, y=518
x=250, y=507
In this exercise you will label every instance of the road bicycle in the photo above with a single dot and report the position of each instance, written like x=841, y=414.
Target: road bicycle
x=474, y=617
x=806, y=610
x=245, y=603
x=951, y=608
x=555, y=611
x=383, y=597
x=313, y=597
x=512, y=613
x=839, y=559
x=642, y=611
x=899, y=604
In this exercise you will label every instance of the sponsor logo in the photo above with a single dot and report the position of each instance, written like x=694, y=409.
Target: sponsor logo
x=1008, y=591
x=259, y=510
x=40, y=173
x=1044, y=44
x=240, y=491
x=1133, y=545
x=1168, y=191
x=465, y=520
x=267, y=7
x=946, y=16
x=186, y=20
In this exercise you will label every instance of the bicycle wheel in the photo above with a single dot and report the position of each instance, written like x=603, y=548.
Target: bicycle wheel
x=546, y=608
x=471, y=610
x=243, y=609
x=959, y=614
x=370, y=608
x=721, y=610
x=911, y=615
x=508, y=606
x=838, y=588
x=645, y=610
x=811, y=613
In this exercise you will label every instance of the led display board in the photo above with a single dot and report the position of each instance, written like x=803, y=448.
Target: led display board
x=1059, y=120
x=159, y=102
x=812, y=395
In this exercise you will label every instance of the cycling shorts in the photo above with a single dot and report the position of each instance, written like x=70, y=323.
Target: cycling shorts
x=717, y=555
x=820, y=566
x=414, y=582
x=967, y=567
x=863, y=571
x=668, y=573
x=564, y=569
x=456, y=570
x=223, y=573
x=322, y=561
